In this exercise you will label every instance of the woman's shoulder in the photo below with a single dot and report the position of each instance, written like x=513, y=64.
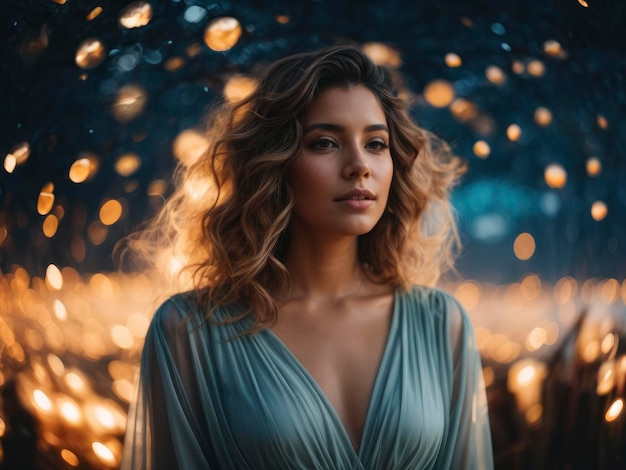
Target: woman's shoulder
x=434, y=298
x=438, y=303
x=185, y=312
x=175, y=312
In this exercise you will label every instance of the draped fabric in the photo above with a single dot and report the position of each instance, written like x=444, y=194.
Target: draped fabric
x=209, y=398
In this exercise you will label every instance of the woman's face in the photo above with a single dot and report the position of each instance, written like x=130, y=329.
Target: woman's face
x=341, y=179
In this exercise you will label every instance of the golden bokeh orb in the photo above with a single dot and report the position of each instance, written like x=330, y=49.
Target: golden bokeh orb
x=543, y=116
x=594, y=166
x=524, y=246
x=481, y=149
x=439, y=93
x=599, y=211
x=136, y=15
x=222, y=34
x=555, y=176
x=90, y=53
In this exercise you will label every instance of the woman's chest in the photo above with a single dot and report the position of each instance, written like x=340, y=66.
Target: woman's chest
x=275, y=409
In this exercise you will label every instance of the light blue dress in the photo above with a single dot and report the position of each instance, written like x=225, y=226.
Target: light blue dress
x=208, y=401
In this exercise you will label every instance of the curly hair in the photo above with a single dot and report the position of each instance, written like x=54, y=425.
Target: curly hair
x=232, y=235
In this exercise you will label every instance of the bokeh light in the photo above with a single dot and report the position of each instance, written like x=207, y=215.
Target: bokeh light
x=223, y=33
x=439, y=93
x=136, y=15
x=90, y=53
x=524, y=246
x=555, y=176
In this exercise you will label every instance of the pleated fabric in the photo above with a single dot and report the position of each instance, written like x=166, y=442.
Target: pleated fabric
x=209, y=398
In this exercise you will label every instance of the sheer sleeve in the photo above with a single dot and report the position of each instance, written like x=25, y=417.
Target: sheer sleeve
x=162, y=430
x=468, y=440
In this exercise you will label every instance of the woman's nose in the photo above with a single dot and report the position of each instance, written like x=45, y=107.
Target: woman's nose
x=356, y=165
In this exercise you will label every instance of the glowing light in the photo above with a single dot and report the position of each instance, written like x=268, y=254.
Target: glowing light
x=110, y=212
x=69, y=410
x=282, y=19
x=239, y=87
x=535, y=339
x=90, y=53
x=188, y=147
x=94, y=13
x=75, y=381
x=463, y=110
x=122, y=337
x=552, y=333
x=129, y=102
x=50, y=225
x=127, y=164
x=56, y=364
x=606, y=378
x=607, y=343
x=518, y=67
x=453, y=60
x=583, y=3
x=10, y=162
x=222, y=34
x=602, y=122
x=70, y=457
x=60, y=2
x=42, y=402
x=174, y=63
x=439, y=93
x=136, y=15
x=104, y=454
x=534, y=413
x=54, y=278
x=157, y=188
x=524, y=379
x=59, y=310
x=468, y=294
x=97, y=232
x=594, y=167
x=45, y=202
x=530, y=287
x=381, y=54
x=123, y=389
x=481, y=149
x=536, y=68
x=495, y=75
x=524, y=246
x=555, y=176
x=599, y=211
x=81, y=170
x=543, y=116
x=610, y=291
x=565, y=289
x=3, y=427
x=193, y=50
x=514, y=132
x=614, y=410
x=488, y=376
x=104, y=416
x=525, y=375
x=591, y=351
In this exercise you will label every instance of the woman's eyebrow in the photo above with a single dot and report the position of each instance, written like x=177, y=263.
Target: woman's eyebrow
x=337, y=128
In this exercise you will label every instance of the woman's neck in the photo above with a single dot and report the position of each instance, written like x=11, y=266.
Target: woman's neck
x=324, y=269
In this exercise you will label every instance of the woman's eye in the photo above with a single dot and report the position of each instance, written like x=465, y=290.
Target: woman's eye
x=323, y=143
x=377, y=145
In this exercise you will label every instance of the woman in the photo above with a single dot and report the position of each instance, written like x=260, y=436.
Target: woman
x=307, y=342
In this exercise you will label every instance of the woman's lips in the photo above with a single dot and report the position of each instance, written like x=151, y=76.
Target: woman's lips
x=357, y=199
x=356, y=194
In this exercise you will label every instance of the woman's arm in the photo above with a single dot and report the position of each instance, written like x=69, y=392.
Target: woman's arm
x=162, y=430
x=468, y=441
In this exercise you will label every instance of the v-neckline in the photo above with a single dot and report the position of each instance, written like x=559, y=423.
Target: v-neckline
x=375, y=387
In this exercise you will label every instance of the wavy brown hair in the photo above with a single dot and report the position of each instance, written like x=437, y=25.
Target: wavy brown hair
x=233, y=234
